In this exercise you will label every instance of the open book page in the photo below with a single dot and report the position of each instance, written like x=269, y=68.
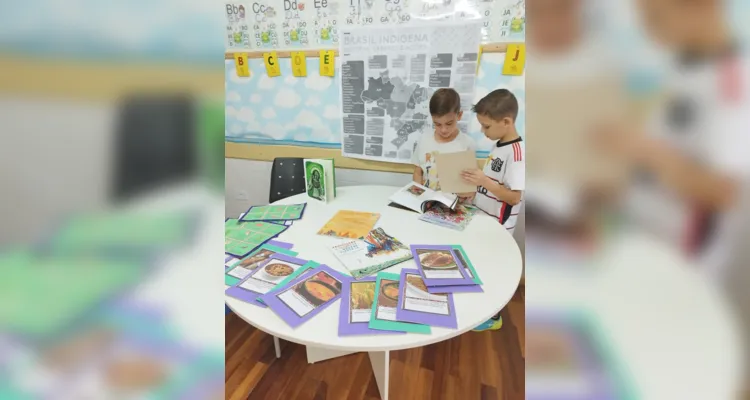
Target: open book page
x=415, y=197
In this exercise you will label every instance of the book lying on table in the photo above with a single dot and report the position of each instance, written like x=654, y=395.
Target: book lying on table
x=418, y=198
x=456, y=219
x=372, y=253
x=350, y=224
x=320, y=179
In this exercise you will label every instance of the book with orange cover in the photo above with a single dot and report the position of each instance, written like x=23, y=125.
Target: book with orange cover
x=350, y=224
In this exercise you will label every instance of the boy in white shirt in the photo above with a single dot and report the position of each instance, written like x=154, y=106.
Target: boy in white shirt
x=501, y=184
x=445, y=109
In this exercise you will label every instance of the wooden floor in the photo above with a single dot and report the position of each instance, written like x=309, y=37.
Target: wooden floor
x=475, y=365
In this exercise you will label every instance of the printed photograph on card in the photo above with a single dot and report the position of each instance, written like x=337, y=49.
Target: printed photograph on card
x=269, y=274
x=387, y=300
x=439, y=263
x=417, y=305
x=417, y=298
x=311, y=293
x=361, y=300
x=241, y=269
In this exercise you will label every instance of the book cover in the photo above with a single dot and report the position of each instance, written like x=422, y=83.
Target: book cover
x=350, y=224
x=371, y=254
x=315, y=180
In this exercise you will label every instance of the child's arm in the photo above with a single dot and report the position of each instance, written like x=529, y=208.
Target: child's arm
x=696, y=183
x=516, y=175
x=418, y=175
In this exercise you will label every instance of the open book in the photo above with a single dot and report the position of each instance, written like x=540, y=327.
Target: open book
x=418, y=198
x=320, y=179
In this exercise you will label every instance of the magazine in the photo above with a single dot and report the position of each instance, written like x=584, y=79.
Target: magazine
x=418, y=198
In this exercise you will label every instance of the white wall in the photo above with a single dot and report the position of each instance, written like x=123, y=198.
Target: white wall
x=248, y=183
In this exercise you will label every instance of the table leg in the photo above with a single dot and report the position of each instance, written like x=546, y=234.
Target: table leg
x=379, y=360
x=277, y=346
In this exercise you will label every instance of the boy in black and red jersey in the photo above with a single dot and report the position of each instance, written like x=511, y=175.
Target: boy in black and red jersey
x=501, y=183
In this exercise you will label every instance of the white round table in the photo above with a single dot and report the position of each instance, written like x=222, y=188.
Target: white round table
x=492, y=250
x=671, y=330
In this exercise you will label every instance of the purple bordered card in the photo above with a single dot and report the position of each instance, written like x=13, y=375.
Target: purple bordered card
x=268, y=274
x=439, y=266
x=468, y=270
x=306, y=296
x=356, y=308
x=418, y=306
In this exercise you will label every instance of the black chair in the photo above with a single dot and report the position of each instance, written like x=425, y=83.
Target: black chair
x=155, y=144
x=287, y=178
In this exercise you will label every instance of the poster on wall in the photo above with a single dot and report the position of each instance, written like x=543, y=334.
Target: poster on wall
x=315, y=24
x=387, y=79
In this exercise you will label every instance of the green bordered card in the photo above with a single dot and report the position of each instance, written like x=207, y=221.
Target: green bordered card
x=383, y=315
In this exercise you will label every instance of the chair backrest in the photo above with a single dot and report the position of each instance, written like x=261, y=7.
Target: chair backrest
x=287, y=178
x=155, y=144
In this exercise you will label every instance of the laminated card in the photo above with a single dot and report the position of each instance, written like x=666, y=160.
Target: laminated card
x=417, y=305
x=469, y=270
x=440, y=266
x=357, y=298
x=274, y=213
x=384, y=307
x=305, y=297
x=240, y=269
x=265, y=277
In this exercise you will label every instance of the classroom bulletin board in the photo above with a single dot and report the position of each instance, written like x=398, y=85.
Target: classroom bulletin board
x=301, y=116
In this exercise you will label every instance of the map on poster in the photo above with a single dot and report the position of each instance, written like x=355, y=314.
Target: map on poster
x=316, y=24
x=388, y=77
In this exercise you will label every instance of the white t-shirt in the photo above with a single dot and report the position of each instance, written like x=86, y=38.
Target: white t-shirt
x=506, y=165
x=427, y=147
x=705, y=118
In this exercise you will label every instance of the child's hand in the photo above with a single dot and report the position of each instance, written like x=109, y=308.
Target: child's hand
x=467, y=197
x=474, y=176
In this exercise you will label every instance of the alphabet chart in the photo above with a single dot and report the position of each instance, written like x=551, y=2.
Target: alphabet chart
x=238, y=32
x=512, y=17
x=315, y=24
x=265, y=23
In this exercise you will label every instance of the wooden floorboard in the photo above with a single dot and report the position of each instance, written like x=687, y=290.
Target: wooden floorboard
x=475, y=365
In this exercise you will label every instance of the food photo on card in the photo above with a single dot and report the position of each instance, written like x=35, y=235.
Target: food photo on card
x=417, y=305
x=265, y=278
x=440, y=266
x=245, y=266
x=357, y=297
x=308, y=295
